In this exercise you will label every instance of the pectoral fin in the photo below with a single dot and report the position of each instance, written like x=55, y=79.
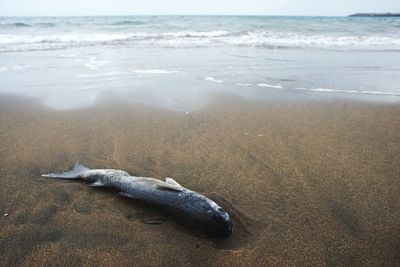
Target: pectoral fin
x=125, y=194
x=96, y=184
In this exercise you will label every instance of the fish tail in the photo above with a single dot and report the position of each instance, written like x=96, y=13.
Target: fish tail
x=74, y=173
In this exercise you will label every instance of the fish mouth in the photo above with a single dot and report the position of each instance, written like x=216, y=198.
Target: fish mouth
x=228, y=229
x=214, y=227
x=225, y=227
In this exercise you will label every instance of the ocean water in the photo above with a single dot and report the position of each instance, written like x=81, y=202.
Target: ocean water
x=181, y=62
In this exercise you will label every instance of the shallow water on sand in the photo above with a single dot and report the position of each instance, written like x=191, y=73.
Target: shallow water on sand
x=180, y=62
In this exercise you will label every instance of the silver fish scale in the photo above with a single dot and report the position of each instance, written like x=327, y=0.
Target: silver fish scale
x=144, y=188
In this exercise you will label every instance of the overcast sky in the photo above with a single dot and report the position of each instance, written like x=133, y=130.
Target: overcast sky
x=223, y=7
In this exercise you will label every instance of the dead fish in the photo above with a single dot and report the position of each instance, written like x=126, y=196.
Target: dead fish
x=194, y=210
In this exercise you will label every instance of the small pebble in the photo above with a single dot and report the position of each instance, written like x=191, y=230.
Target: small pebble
x=156, y=220
x=5, y=214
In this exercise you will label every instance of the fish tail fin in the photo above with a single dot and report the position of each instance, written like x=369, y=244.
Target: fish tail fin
x=74, y=173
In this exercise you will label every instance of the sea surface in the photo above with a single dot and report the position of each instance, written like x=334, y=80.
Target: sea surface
x=180, y=62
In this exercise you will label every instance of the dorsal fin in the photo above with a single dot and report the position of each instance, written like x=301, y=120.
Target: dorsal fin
x=168, y=186
x=160, y=184
x=172, y=182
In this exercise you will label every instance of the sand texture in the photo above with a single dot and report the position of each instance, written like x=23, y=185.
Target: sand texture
x=305, y=183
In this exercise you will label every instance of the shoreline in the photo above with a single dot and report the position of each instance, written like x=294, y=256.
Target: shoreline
x=305, y=182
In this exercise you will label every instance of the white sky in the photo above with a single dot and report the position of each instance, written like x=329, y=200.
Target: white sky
x=219, y=7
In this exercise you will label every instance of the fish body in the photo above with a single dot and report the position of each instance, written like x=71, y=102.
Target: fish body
x=194, y=210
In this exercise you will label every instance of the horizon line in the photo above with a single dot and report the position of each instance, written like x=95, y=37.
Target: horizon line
x=149, y=15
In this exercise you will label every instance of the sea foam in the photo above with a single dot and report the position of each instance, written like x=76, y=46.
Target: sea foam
x=156, y=71
x=267, y=39
x=212, y=79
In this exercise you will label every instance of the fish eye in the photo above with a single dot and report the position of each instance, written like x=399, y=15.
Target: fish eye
x=220, y=209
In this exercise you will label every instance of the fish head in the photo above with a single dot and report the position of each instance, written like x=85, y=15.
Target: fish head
x=220, y=222
x=212, y=219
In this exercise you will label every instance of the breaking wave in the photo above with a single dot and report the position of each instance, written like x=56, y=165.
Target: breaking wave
x=128, y=22
x=23, y=25
x=266, y=39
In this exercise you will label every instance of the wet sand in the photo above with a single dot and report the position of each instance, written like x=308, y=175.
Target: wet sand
x=306, y=183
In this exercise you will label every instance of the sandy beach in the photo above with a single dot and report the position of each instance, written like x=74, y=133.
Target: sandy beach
x=306, y=183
